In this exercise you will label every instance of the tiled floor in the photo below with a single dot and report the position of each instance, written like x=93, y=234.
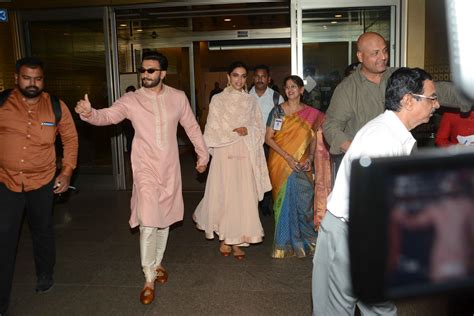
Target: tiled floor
x=98, y=268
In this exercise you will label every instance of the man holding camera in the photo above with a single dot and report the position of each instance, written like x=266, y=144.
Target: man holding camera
x=410, y=100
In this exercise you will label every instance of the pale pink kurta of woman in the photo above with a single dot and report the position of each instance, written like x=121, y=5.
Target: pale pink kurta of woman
x=238, y=175
x=157, y=200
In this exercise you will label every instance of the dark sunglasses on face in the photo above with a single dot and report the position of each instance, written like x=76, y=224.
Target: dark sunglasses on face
x=149, y=70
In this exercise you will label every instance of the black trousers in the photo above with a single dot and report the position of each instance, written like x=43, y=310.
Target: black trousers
x=38, y=204
x=335, y=164
x=266, y=204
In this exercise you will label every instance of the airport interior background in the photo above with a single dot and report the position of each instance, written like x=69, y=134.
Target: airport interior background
x=95, y=47
x=96, y=50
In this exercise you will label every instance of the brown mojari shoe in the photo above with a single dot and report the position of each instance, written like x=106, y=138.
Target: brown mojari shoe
x=161, y=275
x=147, y=295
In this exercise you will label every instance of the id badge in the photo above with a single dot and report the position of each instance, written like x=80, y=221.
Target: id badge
x=277, y=124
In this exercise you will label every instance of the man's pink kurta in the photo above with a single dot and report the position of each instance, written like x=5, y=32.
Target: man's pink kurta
x=157, y=200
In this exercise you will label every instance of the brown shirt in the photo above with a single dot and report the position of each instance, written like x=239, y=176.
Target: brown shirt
x=27, y=137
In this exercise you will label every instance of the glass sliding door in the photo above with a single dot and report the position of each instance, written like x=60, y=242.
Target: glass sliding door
x=326, y=33
x=329, y=45
x=72, y=45
x=7, y=56
x=200, y=40
x=134, y=39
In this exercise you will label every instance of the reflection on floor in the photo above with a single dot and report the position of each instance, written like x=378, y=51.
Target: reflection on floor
x=98, y=268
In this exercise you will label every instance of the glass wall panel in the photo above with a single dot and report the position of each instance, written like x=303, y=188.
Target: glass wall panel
x=7, y=58
x=74, y=55
x=178, y=75
x=329, y=45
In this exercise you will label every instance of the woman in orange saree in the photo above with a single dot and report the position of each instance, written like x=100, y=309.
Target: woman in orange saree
x=291, y=135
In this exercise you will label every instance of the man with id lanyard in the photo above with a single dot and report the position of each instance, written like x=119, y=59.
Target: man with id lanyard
x=267, y=100
x=30, y=119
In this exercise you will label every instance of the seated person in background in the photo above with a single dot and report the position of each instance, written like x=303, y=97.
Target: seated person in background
x=454, y=124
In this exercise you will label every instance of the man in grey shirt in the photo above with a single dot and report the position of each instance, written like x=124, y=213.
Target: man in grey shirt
x=360, y=97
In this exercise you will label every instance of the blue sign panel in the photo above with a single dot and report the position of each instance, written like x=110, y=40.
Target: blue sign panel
x=3, y=15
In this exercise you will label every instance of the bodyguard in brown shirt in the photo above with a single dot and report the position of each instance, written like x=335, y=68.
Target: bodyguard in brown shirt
x=28, y=130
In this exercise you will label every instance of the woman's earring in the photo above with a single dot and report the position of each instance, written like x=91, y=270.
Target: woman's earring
x=228, y=83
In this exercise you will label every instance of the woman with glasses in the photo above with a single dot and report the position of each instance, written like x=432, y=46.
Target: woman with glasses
x=292, y=134
x=238, y=175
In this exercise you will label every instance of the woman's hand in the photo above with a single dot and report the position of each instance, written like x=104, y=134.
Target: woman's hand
x=308, y=164
x=293, y=163
x=201, y=168
x=242, y=131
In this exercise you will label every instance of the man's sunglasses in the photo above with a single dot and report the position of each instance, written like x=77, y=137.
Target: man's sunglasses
x=149, y=70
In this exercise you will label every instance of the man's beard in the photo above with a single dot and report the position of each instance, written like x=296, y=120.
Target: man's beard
x=30, y=92
x=151, y=84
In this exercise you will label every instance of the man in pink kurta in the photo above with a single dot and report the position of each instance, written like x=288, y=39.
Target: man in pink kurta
x=157, y=202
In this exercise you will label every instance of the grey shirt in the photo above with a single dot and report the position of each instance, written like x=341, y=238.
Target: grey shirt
x=357, y=100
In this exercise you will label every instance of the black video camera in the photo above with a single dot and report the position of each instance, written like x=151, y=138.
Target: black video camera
x=411, y=228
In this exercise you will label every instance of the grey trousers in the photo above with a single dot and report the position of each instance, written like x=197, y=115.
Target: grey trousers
x=331, y=284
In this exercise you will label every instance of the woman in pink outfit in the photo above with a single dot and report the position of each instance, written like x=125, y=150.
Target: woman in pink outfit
x=238, y=175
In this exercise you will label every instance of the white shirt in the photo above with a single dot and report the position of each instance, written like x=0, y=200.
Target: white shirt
x=266, y=102
x=384, y=136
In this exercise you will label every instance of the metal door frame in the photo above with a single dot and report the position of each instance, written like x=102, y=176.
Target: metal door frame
x=177, y=42
x=397, y=29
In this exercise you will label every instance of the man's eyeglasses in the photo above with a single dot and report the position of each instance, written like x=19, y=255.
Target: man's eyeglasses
x=432, y=98
x=149, y=70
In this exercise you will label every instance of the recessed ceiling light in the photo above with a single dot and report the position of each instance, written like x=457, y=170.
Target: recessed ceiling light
x=123, y=25
x=338, y=15
x=227, y=20
x=139, y=30
x=333, y=22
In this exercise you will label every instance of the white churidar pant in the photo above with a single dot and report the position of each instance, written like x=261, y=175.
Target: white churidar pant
x=152, y=248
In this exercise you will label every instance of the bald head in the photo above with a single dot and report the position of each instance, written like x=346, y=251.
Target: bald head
x=372, y=52
x=367, y=38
